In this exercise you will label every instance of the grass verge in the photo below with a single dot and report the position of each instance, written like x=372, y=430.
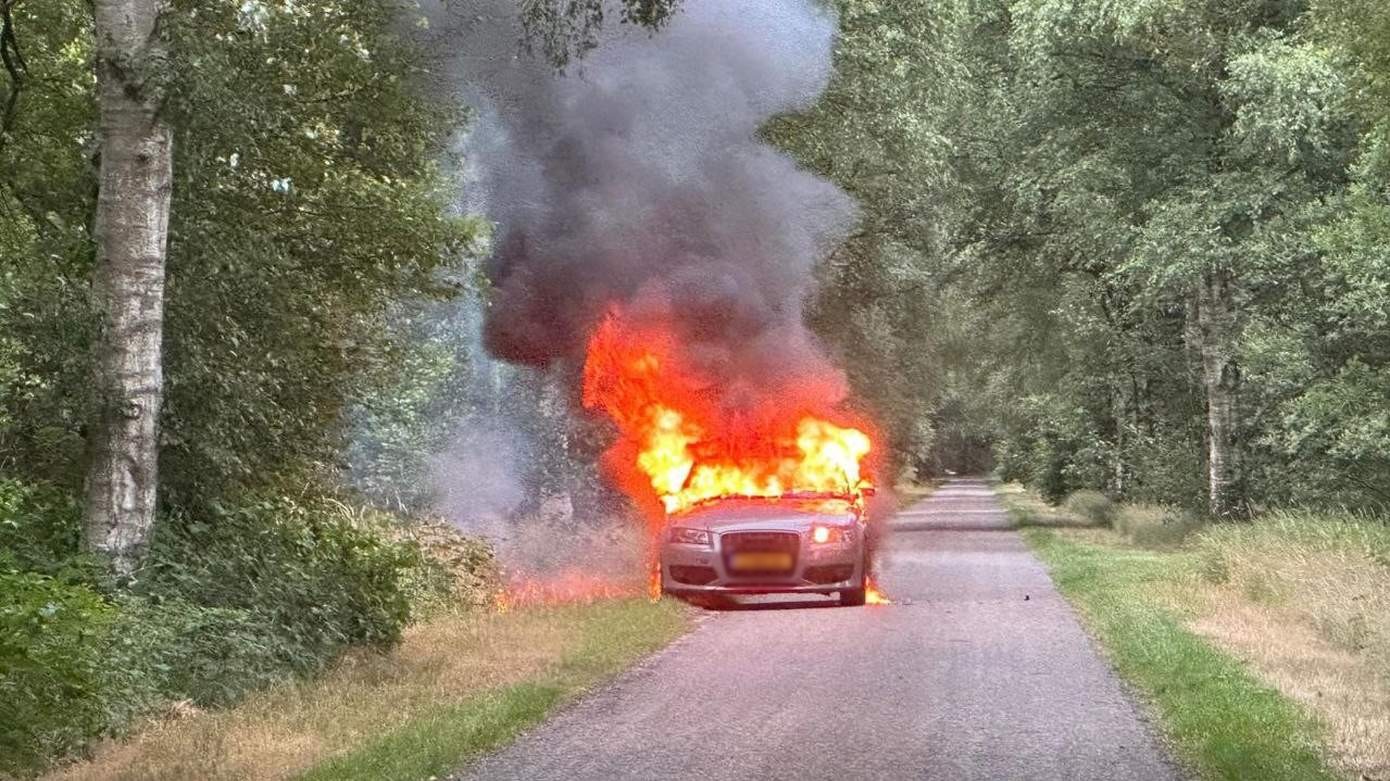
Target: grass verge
x=1222, y=720
x=456, y=687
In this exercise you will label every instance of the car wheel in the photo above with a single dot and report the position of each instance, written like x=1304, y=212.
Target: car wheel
x=711, y=601
x=852, y=597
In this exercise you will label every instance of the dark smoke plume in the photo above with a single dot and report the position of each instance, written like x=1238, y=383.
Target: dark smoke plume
x=637, y=177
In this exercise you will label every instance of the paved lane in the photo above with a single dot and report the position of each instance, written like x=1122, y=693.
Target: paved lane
x=979, y=672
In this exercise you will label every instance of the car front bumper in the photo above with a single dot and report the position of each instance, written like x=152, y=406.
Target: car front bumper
x=819, y=569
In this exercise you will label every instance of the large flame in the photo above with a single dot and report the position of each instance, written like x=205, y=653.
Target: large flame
x=680, y=443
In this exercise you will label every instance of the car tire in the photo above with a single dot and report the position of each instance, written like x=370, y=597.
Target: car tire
x=714, y=602
x=853, y=597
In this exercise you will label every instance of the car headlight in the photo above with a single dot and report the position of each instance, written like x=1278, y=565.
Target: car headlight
x=822, y=535
x=689, y=536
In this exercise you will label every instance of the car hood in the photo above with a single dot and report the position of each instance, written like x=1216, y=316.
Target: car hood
x=740, y=515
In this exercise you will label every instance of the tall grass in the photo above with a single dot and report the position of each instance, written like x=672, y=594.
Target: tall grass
x=1155, y=525
x=1332, y=570
x=1091, y=505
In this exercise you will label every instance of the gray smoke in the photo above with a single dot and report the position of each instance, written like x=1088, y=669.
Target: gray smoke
x=477, y=480
x=638, y=178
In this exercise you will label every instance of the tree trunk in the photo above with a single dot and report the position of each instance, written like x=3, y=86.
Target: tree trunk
x=131, y=233
x=1119, y=482
x=1215, y=332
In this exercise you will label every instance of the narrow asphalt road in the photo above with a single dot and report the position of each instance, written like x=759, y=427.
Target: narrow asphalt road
x=979, y=671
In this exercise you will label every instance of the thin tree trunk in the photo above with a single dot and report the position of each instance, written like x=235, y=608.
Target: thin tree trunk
x=1118, y=471
x=1215, y=332
x=131, y=233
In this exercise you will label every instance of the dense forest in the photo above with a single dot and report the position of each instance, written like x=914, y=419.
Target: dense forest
x=1137, y=248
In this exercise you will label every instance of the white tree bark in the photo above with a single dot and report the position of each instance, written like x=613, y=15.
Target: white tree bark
x=131, y=233
x=1215, y=332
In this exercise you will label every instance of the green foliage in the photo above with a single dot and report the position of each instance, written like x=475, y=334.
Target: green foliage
x=46, y=196
x=51, y=667
x=40, y=530
x=566, y=30
x=231, y=600
x=457, y=572
x=319, y=580
x=1047, y=186
x=309, y=195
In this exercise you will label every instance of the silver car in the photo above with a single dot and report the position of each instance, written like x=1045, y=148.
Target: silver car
x=799, y=543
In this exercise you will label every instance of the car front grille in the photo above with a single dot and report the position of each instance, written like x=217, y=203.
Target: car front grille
x=761, y=541
x=734, y=543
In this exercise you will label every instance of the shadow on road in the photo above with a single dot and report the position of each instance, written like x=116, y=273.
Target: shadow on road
x=769, y=602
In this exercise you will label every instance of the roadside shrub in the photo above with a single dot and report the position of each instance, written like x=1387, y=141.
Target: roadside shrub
x=52, y=639
x=457, y=571
x=172, y=650
x=1154, y=525
x=319, y=580
x=75, y=666
x=229, y=601
x=1093, y=506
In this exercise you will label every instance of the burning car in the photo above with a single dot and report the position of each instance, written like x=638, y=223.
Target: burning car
x=790, y=543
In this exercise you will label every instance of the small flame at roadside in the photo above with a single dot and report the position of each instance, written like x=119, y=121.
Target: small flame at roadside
x=873, y=595
x=570, y=587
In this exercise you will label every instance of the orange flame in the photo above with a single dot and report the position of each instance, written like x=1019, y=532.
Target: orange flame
x=873, y=595
x=569, y=587
x=680, y=446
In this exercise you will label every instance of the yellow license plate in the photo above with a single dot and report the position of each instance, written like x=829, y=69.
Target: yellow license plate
x=765, y=561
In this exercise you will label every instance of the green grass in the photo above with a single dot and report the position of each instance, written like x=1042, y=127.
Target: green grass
x=1220, y=719
x=432, y=744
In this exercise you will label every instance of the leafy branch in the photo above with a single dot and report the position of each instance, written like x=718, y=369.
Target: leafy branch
x=564, y=30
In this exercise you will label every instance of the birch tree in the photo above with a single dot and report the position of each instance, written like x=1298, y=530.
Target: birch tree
x=131, y=233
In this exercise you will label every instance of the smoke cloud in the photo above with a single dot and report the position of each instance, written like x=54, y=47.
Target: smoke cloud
x=638, y=178
x=477, y=479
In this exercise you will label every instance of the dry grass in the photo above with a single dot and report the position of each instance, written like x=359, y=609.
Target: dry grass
x=1305, y=599
x=1343, y=688
x=1332, y=572
x=280, y=733
x=1221, y=719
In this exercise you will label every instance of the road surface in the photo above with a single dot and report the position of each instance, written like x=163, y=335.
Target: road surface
x=979, y=671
